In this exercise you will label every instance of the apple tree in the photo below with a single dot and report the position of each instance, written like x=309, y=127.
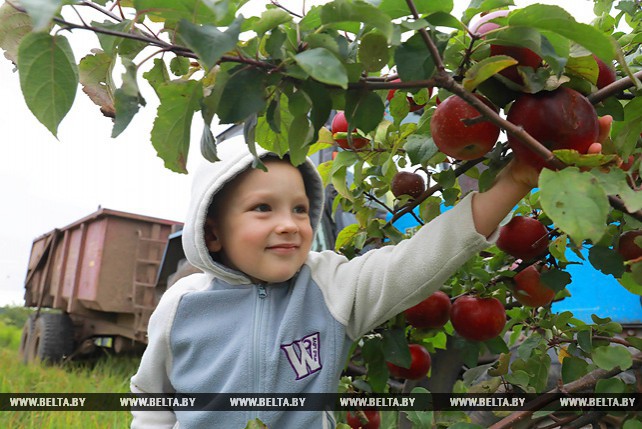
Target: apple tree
x=425, y=105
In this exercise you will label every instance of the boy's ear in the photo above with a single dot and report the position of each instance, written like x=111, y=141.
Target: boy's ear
x=211, y=239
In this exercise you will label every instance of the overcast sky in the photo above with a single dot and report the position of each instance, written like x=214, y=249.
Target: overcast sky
x=47, y=183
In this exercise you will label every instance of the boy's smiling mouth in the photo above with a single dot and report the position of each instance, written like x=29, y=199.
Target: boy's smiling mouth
x=284, y=247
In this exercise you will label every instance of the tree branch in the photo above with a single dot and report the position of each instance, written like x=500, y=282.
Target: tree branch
x=586, y=382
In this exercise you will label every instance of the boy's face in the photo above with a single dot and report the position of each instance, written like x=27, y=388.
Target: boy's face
x=263, y=225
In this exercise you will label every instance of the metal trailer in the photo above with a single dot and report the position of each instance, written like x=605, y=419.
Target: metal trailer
x=100, y=276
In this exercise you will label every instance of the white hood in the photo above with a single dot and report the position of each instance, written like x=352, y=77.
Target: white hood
x=209, y=179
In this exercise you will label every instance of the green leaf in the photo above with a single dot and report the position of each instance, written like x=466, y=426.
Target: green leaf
x=398, y=8
x=195, y=11
x=585, y=340
x=358, y=11
x=271, y=18
x=109, y=42
x=395, y=347
x=463, y=425
x=629, y=282
x=557, y=20
x=614, y=182
x=373, y=353
x=323, y=66
x=208, y=144
x=127, y=99
x=518, y=378
x=610, y=386
x=626, y=134
x=573, y=368
x=414, y=61
x=373, y=52
x=14, y=25
x=606, y=260
x=299, y=138
x=41, y=12
x=485, y=69
x=420, y=148
x=632, y=424
x=364, y=110
x=208, y=42
x=243, y=95
x=575, y=203
x=48, y=77
x=477, y=6
x=255, y=424
x=609, y=357
x=556, y=279
x=157, y=75
x=179, y=66
x=171, y=132
x=95, y=77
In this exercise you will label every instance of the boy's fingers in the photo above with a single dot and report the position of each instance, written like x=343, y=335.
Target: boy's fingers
x=605, y=128
x=595, y=148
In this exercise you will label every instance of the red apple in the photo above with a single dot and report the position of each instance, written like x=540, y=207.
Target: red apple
x=411, y=101
x=454, y=138
x=407, y=183
x=524, y=56
x=524, y=238
x=340, y=125
x=627, y=246
x=559, y=119
x=606, y=74
x=482, y=25
x=431, y=313
x=419, y=364
x=476, y=318
x=529, y=289
x=373, y=417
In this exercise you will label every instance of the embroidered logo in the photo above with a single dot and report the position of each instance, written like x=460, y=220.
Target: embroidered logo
x=304, y=355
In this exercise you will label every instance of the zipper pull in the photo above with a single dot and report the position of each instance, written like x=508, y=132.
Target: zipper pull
x=262, y=291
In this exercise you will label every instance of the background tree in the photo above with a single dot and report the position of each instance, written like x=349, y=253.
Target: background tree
x=283, y=74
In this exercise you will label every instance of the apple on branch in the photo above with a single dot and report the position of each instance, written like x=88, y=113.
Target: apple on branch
x=559, y=119
x=460, y=131
x=431, y=313
x=524, y=238
x=477, y=318
x=340, y=125
x=525, y=57
x=407, y=183
x=529, y=289
x=366, y=419
x=419, y=364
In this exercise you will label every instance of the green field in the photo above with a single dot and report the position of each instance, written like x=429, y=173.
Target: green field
x=102, y=375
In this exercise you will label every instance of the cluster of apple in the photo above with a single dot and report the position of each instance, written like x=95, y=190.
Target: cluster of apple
x=559, y=119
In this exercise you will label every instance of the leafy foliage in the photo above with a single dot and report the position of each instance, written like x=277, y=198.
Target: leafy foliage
x=282, y=75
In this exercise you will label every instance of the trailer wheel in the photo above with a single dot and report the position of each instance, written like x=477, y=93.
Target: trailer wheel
x=53, y=338
x=25, y=339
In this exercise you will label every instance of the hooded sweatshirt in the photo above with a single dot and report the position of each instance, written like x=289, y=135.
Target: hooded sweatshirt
x=217, y=332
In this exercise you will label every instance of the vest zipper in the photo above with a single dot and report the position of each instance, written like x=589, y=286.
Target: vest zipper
x=256, y=352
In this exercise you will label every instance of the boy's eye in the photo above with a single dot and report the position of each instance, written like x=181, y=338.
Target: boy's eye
x=300, y=209
x=261, y=208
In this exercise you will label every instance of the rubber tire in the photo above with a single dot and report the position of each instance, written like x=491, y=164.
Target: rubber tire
x=53, y=338
x=26, y=338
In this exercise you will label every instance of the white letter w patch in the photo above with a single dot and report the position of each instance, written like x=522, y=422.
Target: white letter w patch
x=304, y=355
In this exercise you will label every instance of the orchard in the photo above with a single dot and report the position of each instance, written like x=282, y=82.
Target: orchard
x=405, y=86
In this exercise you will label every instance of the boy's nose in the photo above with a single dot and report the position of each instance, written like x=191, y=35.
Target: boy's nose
x=287, y=225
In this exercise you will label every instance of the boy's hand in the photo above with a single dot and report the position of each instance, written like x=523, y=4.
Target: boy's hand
x=526, y=175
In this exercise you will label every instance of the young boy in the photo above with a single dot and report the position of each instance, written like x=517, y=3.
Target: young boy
x=269, y=316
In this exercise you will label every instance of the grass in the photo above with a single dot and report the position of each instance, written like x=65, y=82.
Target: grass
x=106, y=374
